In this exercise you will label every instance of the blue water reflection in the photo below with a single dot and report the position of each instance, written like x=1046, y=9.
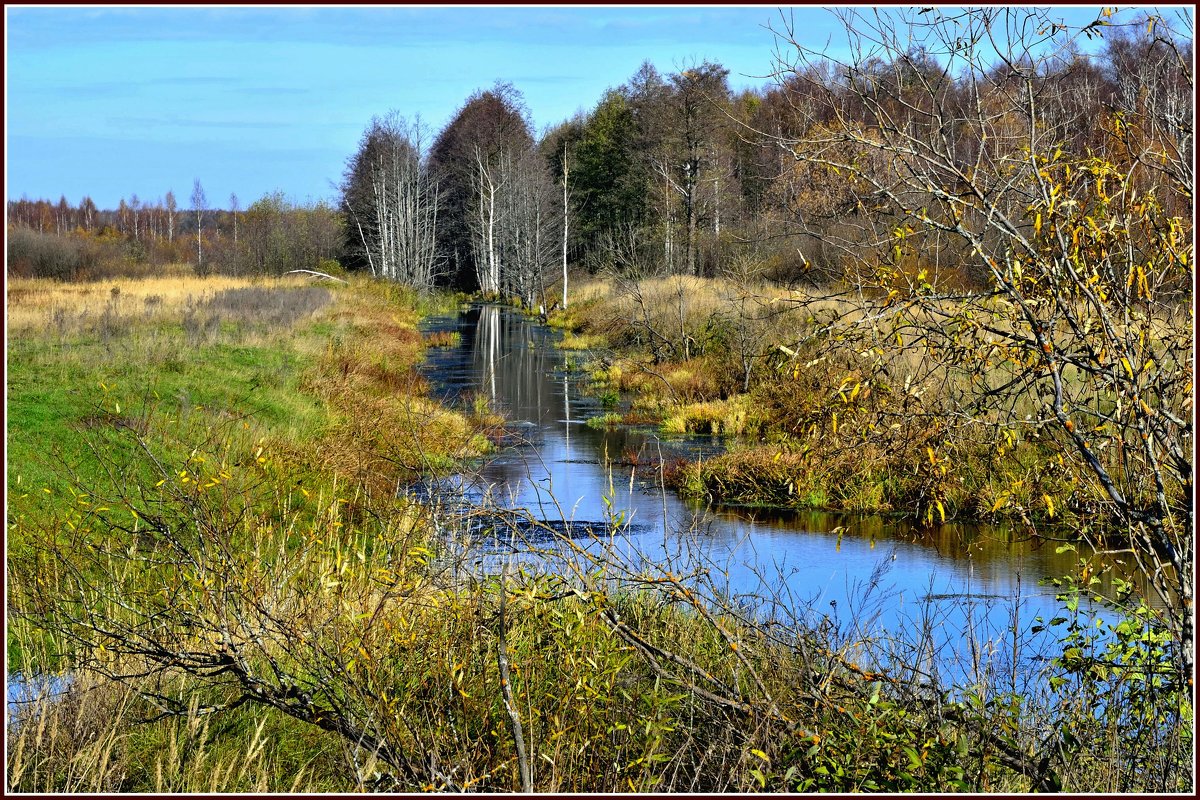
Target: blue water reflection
x=867, y=575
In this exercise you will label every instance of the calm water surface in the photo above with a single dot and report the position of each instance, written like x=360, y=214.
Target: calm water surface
x=815, y=565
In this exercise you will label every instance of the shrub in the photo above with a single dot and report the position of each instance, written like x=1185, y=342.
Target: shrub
x=41, y=255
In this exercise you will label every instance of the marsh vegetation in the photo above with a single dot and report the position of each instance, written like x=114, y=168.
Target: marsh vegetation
x=943, y=280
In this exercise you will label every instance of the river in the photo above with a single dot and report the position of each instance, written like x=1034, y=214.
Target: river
x=967, y=585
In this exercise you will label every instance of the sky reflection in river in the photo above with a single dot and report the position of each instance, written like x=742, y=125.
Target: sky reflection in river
x=816, y=565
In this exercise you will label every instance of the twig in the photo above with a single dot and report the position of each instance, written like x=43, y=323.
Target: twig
x=506, y=688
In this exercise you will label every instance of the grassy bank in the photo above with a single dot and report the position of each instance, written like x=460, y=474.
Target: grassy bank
x=315, y=369
x=312, y=388
x=822, y=409
x=207, y=547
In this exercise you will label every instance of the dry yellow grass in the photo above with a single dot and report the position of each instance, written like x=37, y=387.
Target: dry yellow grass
x=31, y=301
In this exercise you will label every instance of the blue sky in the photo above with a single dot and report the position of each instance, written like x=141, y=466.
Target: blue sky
x=113, y=102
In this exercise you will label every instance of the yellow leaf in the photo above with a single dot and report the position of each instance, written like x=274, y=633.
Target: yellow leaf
x=1049, y=505
x=941, y=510
x=1003, y=499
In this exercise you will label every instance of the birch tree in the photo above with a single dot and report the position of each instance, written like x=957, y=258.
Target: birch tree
x=514, y=224
x=199, y=204
x=87, y=208
x=566, y=216
x=135, y=205
x=392, y=202
x=490, y=177
x=531, y=228
x=492, y=126
x=170, y=205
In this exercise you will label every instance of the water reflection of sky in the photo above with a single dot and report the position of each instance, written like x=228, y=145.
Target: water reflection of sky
x=813, y=565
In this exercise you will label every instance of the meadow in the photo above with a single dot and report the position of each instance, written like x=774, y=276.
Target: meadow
x=214, y=585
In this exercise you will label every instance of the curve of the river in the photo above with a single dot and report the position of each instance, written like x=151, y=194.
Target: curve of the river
x=972, y=581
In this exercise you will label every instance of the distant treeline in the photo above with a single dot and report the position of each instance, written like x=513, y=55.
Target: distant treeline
x=667, y=174
x=85, y=243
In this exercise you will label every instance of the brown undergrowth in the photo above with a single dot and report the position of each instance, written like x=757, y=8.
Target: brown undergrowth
x=820, y=413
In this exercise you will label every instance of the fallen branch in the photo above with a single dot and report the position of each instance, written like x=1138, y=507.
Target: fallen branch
x=315, y=274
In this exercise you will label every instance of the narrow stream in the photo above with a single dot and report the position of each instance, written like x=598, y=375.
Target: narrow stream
x=964, y=578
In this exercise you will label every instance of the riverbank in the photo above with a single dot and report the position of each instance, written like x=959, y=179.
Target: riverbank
x=268, y=398
x=817, y=417
x=204, y=531
x=315, y=370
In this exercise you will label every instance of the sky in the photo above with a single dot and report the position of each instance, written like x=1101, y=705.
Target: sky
x=113, y=102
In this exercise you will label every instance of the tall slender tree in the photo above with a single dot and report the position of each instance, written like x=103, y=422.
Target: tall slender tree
x=170, y=205
x=199, y=204
x=87, y=209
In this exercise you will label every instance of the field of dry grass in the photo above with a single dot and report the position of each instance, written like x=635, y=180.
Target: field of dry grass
x=32, y=302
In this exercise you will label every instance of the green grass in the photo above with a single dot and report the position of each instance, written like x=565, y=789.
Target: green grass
x=575, y=341
x=60, y=398
x=605, y=421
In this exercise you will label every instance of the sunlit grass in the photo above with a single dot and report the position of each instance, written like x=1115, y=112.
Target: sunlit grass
x=32, y=301
x=315, y=422
x=336, y=370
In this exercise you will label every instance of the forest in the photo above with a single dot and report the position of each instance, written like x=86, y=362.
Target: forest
x=948, y=276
